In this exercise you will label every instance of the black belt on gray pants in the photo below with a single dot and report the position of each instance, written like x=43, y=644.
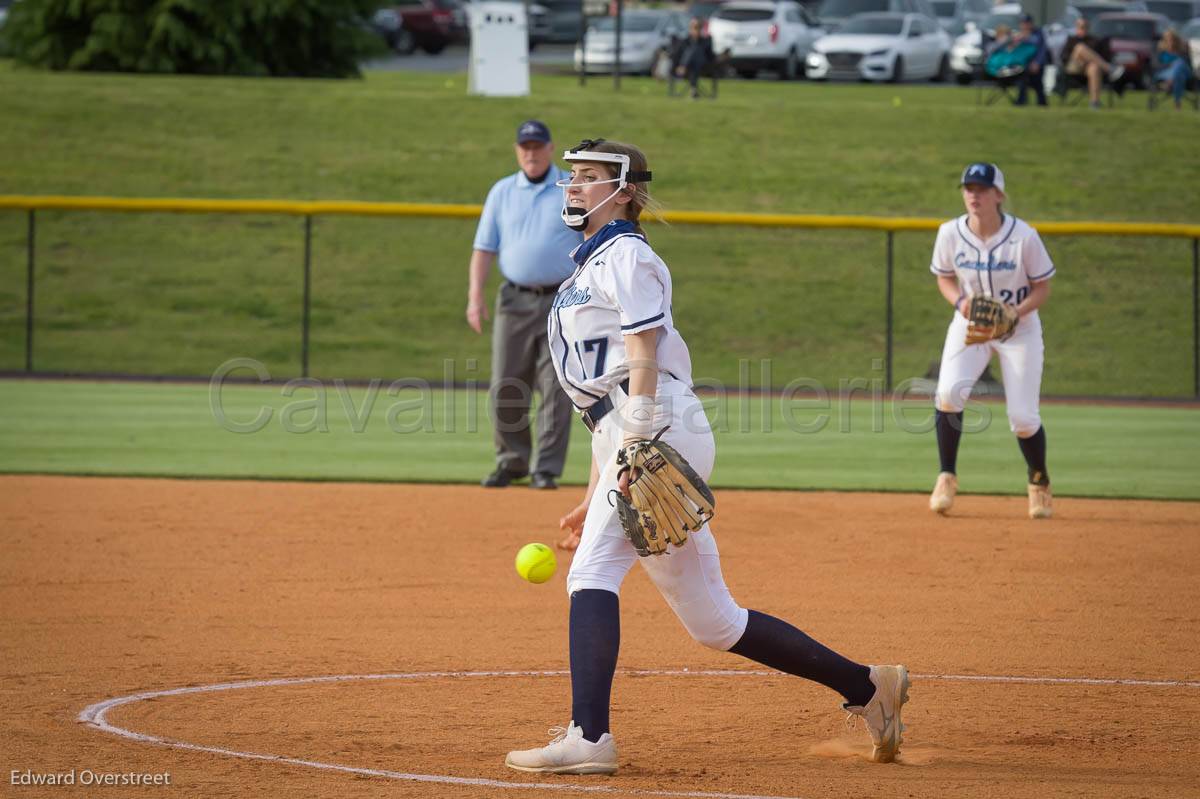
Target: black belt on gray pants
x=541, y=291
x=591, y=416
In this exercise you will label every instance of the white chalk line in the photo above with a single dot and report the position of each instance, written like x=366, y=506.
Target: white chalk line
x=94, y=715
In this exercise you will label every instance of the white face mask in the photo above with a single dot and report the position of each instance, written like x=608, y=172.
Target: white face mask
x=576, y=218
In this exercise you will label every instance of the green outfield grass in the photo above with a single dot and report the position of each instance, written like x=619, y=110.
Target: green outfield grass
x=165, y=294
x=314, y=434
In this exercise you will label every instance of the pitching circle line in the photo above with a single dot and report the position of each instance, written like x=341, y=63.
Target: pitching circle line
x=94, y=715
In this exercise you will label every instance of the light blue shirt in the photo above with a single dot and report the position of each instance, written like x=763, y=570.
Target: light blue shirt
x=522, y=222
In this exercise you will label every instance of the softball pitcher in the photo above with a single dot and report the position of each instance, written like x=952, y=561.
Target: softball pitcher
x=995, y=271
x=628, y=371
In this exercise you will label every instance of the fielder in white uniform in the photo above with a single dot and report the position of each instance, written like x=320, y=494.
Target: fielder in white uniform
x=628, y=371
x=986, y=251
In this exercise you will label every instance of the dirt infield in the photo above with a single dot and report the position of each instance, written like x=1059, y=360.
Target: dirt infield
x=112, y=587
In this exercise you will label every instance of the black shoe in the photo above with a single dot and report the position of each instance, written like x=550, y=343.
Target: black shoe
x=543, y=480
x=500, y=478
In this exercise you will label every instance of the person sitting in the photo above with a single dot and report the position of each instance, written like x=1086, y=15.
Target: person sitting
x=1083, y=55
x=1174, y=68
x=1035, y=68
x=695, y=55
x=1009, y=55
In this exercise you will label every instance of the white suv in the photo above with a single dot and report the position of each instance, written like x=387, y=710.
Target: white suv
x=760, y=34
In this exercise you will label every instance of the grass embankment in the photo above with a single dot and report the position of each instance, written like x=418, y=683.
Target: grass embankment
x=179, y=295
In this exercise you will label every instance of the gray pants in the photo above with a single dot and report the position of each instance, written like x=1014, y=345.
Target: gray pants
x=521, y=365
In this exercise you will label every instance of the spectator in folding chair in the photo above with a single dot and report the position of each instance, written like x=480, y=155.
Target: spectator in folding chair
x=1174, y=70
x=1083, y=55
x=1035, y=69
x=1008, y=60
x=695, y=56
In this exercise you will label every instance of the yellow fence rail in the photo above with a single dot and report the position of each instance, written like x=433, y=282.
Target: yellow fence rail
x=309, y=209
x=452, y=211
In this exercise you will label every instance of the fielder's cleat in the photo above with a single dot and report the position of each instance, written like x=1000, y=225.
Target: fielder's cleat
x=942, y=498
x=1040, y=502
x=568, y=753
x=501, y=478
x=882, y=713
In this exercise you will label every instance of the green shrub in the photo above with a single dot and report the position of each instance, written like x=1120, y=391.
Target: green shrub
x=283, y=38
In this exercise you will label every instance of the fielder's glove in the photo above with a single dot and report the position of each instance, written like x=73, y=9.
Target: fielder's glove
x=989, y=319
x=668, y=499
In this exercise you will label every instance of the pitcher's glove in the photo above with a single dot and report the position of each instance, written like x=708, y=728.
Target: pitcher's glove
x=668, y=499
x=989, y=319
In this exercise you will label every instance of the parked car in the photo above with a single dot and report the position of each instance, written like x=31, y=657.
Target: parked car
x=1180, y=12
x=760, y=34
x=879, y=47
x=967, y=54
x=953, y=15
x=1132, y=38
x=834, y=13
x=1191, y=34
x=646, y=37
x=429, y=26
x=537, y=21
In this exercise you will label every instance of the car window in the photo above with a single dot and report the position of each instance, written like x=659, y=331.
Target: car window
x=945, y=8
x=874, y=26
x=1191, y=31
x=1136, y=29
x=837, y=9
x=631, y=23
x=1174, y=11
x=745, y=14
x=994, y=21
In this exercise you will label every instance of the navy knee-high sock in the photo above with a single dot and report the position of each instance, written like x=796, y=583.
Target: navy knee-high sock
x=949, y=432
x=595, y=634
x=775, y=643
x=1034, y=450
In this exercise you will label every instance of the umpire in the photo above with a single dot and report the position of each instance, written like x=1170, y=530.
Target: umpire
x=522, y=223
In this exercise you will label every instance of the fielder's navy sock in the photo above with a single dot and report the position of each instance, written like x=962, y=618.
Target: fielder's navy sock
x=595, y=634
x=781, y=646
x=1034, y=450
x=949, y=432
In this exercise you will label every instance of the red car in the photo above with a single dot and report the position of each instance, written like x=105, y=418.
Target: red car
x=430, y=23
x=1132, y=37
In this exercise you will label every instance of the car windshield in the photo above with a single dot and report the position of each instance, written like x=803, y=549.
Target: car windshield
x=944, y=8
x=839, y=9
x=1141, y=30
x=994, y=21
x=1091, y=12
x=702, y=10
x=632, y=23
x=877, y=26
x=745, y=14
x=1174, y=11
x=1191, y=31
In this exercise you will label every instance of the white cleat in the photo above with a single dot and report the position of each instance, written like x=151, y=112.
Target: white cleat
x=882, y=713
x=1040, y=502
x=942, y=498
x=568, y=753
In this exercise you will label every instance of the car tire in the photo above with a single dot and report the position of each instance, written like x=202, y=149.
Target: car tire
x=748, y=74
x=433, y=48
x=943, y=70
x=405, y=43
x=790, y=67
x=898, y=70
x=962, y=79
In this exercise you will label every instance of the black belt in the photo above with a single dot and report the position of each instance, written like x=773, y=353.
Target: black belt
x=592, y=416
x=541, y=291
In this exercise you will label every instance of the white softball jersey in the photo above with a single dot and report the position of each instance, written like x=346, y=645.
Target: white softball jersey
x=621, y=289
x=1003, y=267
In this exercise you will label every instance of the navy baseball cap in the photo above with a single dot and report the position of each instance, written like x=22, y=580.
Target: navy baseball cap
x=983, y=174
x=533, y=130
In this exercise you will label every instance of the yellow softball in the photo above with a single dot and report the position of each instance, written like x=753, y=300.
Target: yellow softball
x=536, y=563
